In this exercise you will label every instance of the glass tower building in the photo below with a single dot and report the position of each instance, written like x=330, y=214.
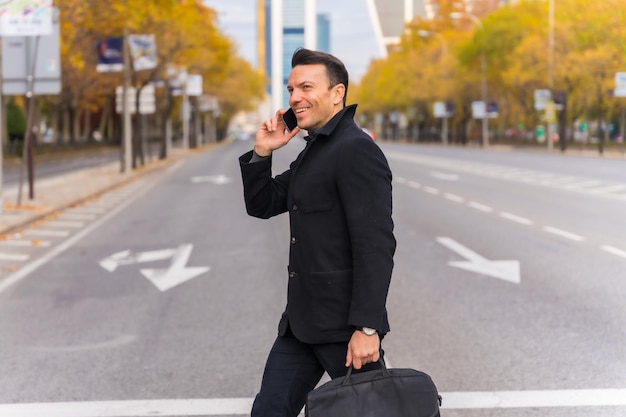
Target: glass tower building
x=323, y=32
x=289, y=25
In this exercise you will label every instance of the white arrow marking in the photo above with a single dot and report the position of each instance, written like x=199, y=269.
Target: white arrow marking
x=125, y=258
x=215, y=179
x=177, y=273
x=505, y=270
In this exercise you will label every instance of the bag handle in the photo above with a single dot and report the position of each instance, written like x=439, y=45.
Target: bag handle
x=383, y=369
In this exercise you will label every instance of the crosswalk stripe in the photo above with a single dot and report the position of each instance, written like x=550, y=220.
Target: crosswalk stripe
x=89, y=209
x=47, y=232
x=77, y=216
x=14, y=257
x=24, y=243
x=65, y=223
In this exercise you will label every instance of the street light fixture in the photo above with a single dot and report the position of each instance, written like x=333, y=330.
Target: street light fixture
x=483, y=68
x=444, y=48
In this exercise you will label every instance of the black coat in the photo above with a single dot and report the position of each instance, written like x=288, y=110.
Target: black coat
x=338, y=195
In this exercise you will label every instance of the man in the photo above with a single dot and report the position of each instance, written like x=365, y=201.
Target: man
x=338, y=195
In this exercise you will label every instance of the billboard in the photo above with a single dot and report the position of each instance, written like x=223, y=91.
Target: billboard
x=111, y=55
x=25, y=17
x=17, y=61
x=143, y=51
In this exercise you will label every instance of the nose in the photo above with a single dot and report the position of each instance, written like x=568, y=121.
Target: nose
x=294, y=98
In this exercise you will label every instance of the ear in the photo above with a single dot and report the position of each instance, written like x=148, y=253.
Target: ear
x=339, y=91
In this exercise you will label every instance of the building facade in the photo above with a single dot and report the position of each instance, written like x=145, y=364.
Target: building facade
x=389, y=17
x=289, y=25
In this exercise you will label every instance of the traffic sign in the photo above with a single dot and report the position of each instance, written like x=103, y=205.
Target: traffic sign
x=620, y=84
x=131, y=99
x=541, y=98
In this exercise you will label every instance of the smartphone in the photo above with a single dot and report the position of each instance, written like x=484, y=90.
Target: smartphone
x=289, y=119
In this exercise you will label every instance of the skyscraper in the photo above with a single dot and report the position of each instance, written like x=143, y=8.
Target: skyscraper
x=323, y=32
x=390, y=16
x=289, y=24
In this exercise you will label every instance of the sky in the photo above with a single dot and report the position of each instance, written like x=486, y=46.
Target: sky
x=352, y=35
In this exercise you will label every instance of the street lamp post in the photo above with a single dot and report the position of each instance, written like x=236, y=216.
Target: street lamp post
x=444, y=54
x=483, y=69
x=551, y=124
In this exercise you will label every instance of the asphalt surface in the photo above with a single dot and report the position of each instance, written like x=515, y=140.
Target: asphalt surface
x=99, y=311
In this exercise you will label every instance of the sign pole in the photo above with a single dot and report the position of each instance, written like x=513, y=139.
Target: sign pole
x=2, y=127
x=623, y=126
x=127, y=134
x=27, y=155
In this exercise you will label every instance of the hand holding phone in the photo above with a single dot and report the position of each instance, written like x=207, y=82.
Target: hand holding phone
x=289, y=119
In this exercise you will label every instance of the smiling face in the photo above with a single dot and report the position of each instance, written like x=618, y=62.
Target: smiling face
x=311, y=97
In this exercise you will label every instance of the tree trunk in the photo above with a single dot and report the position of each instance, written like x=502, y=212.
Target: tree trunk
x=104, y=119
x=66, y=126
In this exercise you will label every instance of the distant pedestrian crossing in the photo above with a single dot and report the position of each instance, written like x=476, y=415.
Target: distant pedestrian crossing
x=36, y=239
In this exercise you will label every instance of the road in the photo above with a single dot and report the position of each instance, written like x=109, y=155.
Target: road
x=51, y=165
x=162, y=297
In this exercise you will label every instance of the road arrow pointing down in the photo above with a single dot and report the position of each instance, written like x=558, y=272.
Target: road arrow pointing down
x=505, y=270
x=177, y=273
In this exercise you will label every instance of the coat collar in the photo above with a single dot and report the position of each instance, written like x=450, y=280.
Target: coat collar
x=326, y=130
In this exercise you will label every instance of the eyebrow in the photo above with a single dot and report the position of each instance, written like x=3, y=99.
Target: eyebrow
x=303, y=82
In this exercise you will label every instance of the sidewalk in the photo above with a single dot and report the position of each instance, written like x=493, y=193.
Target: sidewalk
x=65, y=190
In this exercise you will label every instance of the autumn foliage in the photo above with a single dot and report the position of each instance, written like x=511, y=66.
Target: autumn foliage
x=187, y=35
x=589, y=48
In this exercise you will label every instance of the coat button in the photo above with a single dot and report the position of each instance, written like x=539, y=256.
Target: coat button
x=294, y=207
x=292, y=274
x=293, y=240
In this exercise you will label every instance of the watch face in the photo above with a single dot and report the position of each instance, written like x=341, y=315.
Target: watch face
x=368, y=331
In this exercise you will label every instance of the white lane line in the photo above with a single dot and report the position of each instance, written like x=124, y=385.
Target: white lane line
x=516, y=218
x=565, y=180
x=615, y=251
x=414, y=184
x=610, y=189
x=444, y=176
x=584, y=184
x=242, y=406
x=563, y=233
x=24, y=243
x=400, y=180
x=46, y=232
x=19, y=257
x=454, y=197
x=431, y=190
x=535, y=399
x=65, y=223
x=133, y=408
x=480, y=207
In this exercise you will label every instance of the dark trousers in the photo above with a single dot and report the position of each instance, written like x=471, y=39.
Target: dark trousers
x=293, y=369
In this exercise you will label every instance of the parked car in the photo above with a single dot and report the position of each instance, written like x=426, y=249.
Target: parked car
x=369, y=132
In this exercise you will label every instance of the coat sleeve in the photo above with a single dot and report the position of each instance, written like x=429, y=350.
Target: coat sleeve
x=365, y=190
x=264, y=196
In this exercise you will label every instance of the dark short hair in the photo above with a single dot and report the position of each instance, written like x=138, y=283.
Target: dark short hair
x=337, y=73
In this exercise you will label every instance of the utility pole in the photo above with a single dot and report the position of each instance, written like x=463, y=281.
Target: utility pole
x=185, y=110
x=2, y=126
x=127, y=137
x=551, y=124
x=27, y=155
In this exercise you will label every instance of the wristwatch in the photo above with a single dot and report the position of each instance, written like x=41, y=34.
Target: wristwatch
x=367, y=330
